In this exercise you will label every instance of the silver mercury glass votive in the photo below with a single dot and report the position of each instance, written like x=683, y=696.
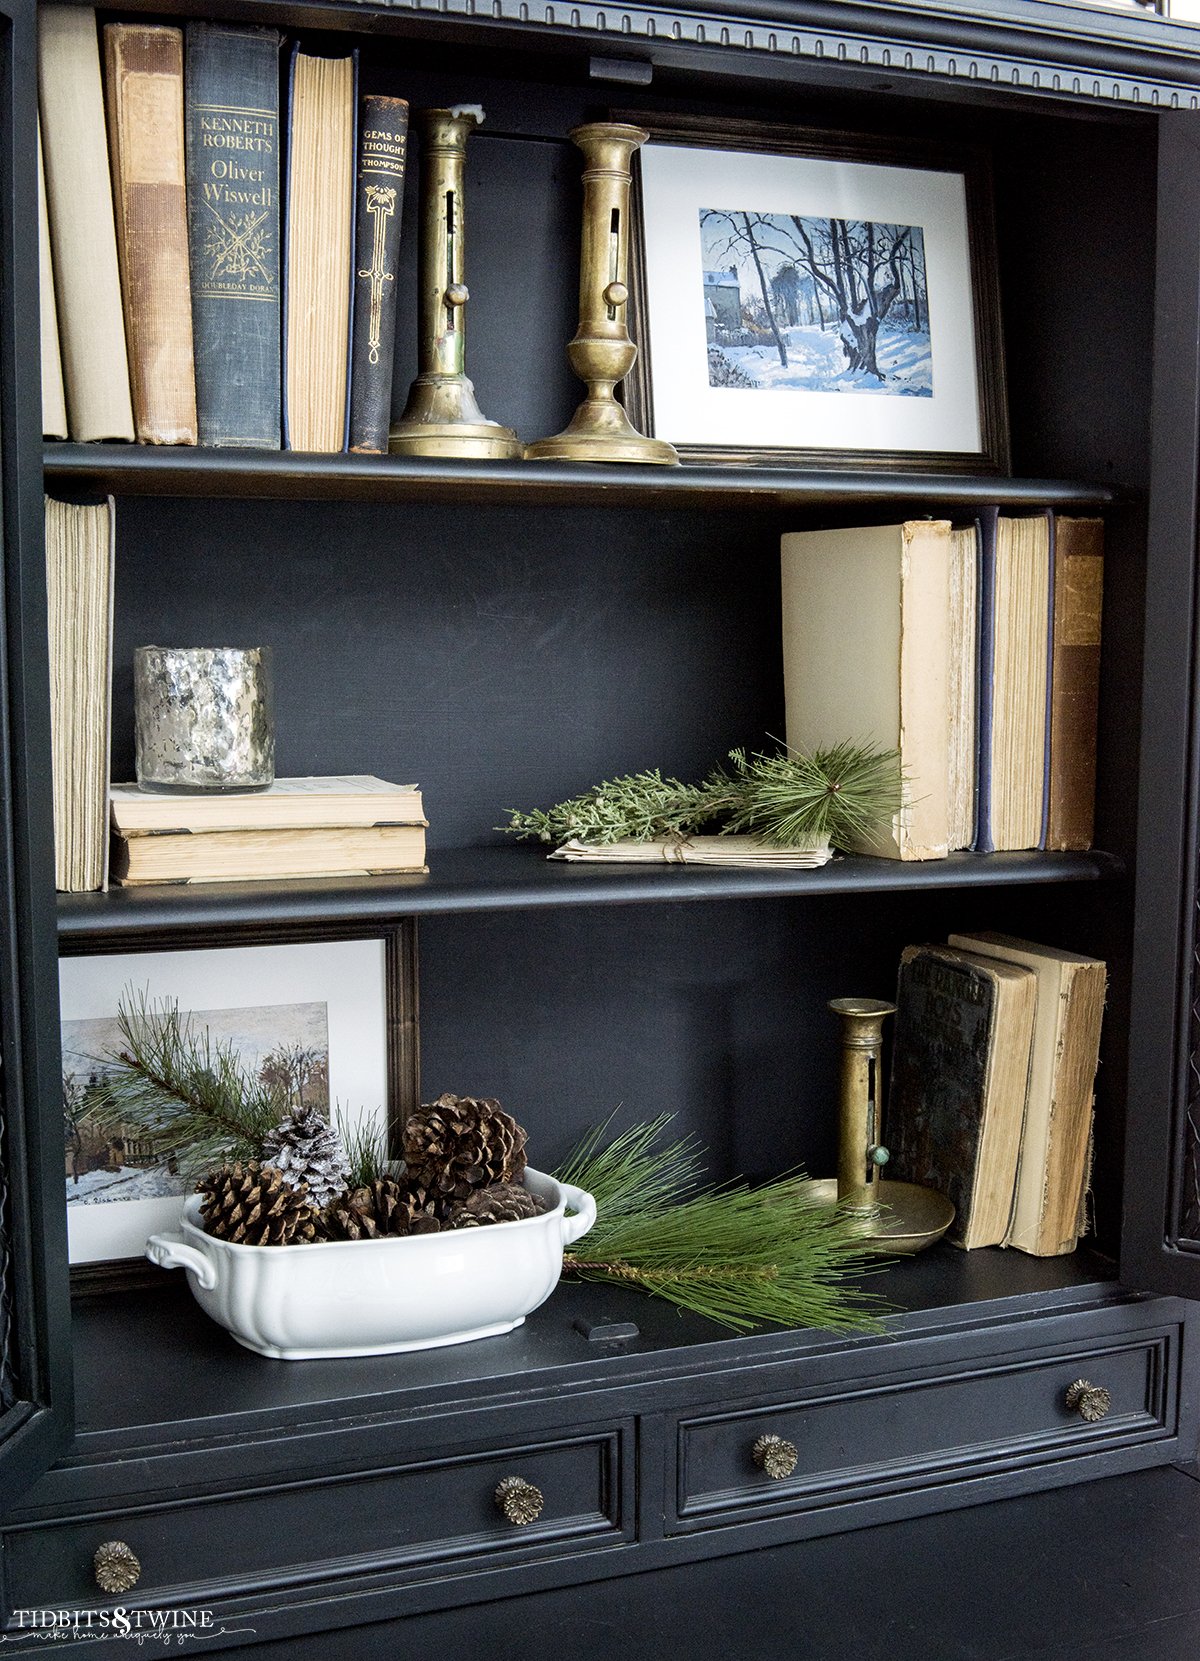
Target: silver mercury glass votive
x=203, y=718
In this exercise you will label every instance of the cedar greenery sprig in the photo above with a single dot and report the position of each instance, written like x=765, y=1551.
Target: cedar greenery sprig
x=740, y=1256
x=189, y=1095
x=841, y=792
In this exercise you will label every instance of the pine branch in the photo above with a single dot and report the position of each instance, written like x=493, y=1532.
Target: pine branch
x=737, y=1255
x=641, y=806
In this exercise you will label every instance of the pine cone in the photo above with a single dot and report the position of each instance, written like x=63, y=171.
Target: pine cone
x=502, y=1202
x=384, y=1209
x=460, y=1143
x=253, y=1205
x=305, y=1148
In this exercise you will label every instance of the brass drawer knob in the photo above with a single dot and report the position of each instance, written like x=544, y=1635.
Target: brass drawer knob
x=519, y=1500
x=1090, y=1401
x=774, y=1456
x=117, y=1567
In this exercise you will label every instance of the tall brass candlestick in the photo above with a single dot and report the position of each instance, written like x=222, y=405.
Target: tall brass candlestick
x=602, y=353
x=442, y=417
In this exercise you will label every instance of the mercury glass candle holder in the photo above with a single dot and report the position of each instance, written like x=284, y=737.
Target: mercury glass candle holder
x=203, y=719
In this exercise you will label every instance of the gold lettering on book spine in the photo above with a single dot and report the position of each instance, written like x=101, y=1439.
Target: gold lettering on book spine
x=381, y=205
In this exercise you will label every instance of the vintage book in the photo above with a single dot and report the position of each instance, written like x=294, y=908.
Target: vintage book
x=866, y=654
x=144, y=80
x=345, y=799
x=54, y=398
x=379, y=198
x=231, y=111
x=745, y=851
x=1013, y=675
x=960, y=1072
x=319, y=251
x=964, y=675
x=1049, y=1208
x=79, y=602
x=83, y=240
x=248, y=855
x=1075, y=681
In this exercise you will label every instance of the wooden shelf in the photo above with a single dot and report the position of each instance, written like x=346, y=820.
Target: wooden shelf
x=144, y=470
x=512, y=878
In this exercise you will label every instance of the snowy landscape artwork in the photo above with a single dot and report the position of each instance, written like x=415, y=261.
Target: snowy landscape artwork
x=795, y=302
x=284, y=1045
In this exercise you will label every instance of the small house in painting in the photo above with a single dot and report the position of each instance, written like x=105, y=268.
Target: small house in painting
x=722, y=303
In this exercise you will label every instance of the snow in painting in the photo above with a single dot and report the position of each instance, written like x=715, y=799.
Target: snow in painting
x=815, y=305
x=286, y=1046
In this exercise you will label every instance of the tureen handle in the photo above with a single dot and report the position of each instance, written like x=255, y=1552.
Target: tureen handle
x=170, y=1251
x=584, y=1206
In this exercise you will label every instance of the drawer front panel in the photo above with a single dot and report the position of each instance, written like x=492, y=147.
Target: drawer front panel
x=918, y=1431
x=441, y=1510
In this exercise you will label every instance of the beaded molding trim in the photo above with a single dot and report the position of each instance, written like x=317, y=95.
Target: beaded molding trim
x=1002, y=70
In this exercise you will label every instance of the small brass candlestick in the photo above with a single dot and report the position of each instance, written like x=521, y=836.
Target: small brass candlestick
x=442, y=417
x=897, y=1216
x=602, y=353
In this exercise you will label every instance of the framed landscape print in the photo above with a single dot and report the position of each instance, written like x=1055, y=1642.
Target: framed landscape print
x=330, y=1024
x=814, y=299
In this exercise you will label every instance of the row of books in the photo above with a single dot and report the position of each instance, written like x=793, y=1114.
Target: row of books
x=312, y=827
x=167, y=313
x=994, y=1060
x=975, y=651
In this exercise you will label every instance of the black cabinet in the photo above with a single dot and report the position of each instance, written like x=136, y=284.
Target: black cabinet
x=509, y=633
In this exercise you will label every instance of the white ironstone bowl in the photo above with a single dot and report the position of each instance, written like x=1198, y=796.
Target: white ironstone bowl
x=376, y=1297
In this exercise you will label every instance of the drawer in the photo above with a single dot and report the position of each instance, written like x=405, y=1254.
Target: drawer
x=414, y=1515
x=904, y=1433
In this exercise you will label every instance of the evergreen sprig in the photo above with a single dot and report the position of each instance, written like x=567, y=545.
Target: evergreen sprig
x=740, y=1256
x=189, y=1095
x=842, y=792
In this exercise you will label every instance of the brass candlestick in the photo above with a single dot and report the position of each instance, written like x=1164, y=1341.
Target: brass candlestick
x=897, y=1216
x=442, y=417
x=602, y=353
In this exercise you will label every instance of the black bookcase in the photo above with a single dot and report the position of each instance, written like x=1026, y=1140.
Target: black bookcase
x=508, y=634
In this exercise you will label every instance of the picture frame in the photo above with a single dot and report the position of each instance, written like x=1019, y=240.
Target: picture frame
x=763, y=256
x=341, y=1012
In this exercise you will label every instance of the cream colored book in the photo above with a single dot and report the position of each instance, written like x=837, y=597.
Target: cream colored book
x=54, y=399
x=866, y=657
x=79, y=593
x=1052, y=1178
x=259, y=855
x=82, y=231
x=964, y=606
x=744, y=851
x=320, y=208
x=1018, y=731
x=305, y=803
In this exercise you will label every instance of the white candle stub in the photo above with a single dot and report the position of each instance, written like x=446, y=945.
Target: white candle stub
x=475, y=111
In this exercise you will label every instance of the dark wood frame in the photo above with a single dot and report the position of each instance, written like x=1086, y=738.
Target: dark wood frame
x=402, y=1037
x=993, y=457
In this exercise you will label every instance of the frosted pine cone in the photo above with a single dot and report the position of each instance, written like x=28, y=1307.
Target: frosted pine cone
x=306, y=1148
x=459, y=1143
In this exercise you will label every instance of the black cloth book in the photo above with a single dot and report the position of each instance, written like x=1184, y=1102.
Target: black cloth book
x=378, y=199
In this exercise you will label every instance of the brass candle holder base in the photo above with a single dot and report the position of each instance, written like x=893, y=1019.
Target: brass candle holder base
x=442, y=418
x=601, y=431
x=898, y=1218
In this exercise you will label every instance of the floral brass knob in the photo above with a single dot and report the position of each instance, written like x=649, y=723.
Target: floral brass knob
x=1090, y=1401
x=775, y=1456
x=117, y=1567
x=519, y=1500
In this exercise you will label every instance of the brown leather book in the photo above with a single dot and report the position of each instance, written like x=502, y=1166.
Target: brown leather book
x=1075, y=681
x=144, y=73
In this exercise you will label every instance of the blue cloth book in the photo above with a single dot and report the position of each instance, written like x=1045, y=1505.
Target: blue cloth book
x=231, y=117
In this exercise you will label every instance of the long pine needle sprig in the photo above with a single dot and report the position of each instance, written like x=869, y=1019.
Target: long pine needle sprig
x=741, y=1256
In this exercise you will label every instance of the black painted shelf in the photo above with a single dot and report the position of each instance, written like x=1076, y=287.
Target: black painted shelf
x=147, y=470
x=509, y=878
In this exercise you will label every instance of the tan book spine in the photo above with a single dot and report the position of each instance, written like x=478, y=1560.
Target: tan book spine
x=144, y=67
x=54, y=401
x=1068, y=1156
x=1075, y=681
x=82, y=237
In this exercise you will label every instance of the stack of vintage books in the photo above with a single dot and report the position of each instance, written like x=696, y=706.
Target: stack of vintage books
x=316, y=827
